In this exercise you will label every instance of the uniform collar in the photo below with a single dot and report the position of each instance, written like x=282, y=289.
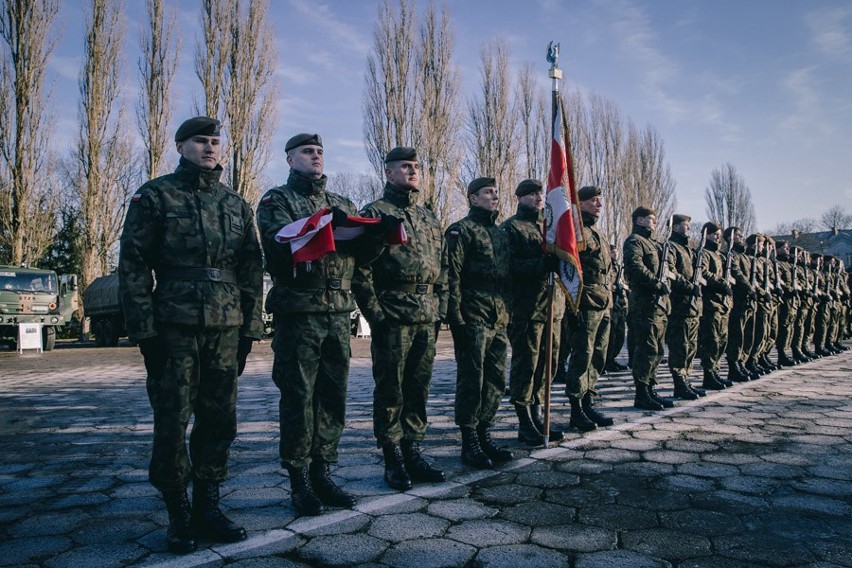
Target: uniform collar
x=306, y=186
x=712, y=247
x=528, y=213
x=588, y=219
x=641, y=231
x=399, y=196
x=679, y=239
x=483, y=216
x=202, y=178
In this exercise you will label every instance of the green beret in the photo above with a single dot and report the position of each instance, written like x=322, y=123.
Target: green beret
x=642, y=212
x=303, y=139
x=401, y=153
x=678, y=218
x=528, y=186
x=199, y=125
x=780, y=244
x=479, y=183
x=588, y=192
x=710, y=227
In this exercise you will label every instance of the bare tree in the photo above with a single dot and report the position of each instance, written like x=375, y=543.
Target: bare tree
x=102, y=170
x=390, y=91
x=157, y=66
x=360, y=188
x=728, y=199
x=534, y=118
x=835, y=218
x=212, y=53
x=492, y=123
x=26, y=203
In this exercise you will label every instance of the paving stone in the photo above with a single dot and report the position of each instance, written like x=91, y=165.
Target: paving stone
x=617, y=517
x=703, y=469
x=612, y=455
x=690, y=446
x=749, y=484
x=689, y=482
x=482, y=533
x=579, y=497
x=18, y=551
x=643, y=469
x=715, y=562
x=47, y=524
x=670, y=457
x=813, y=504
x=509, y=494
x=667, y=543
x=655, y=500
x=765, y=549
x=461, y=509
x=637, y=445
x=401, y=527
x=97, y=531
x=538, y=514
x=512, y=556
x=575, y=538
x=95, y=556
x=342, y=550
x=827, y=487
x=429, y=553
x=547, y=479
x=619, y=559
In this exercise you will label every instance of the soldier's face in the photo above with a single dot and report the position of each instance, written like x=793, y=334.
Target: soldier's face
x=308, y=160
x=203, y=151
x=487, y=198
x=681, y=228
x=404, y=174
x=534, y=200
x=592, y=206
x=649, y=222
x=714, y=237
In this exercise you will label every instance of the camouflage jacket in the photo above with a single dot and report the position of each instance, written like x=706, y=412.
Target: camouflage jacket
x=597, y=268
x=529, y=278
x=741, y=269
x=189, y=220
x=713, y=270
x=641, y=256
x=479, y=271
x=408, y=282
x=683, y=258
x=785, y=278
x=320, y=286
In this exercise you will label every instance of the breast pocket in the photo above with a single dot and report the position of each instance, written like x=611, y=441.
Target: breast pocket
x=179, y=224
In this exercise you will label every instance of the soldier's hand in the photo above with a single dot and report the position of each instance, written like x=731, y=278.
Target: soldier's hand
x=459, y=333
x=551, y=263
x=338, y=217
x=726, y=288
x=389, y=224
x=243, y=350
x=696, y=291
x=663, y=289
x=154, y=353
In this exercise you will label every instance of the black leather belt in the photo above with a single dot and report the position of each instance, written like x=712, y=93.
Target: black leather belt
x=303, y=283
x=411, y=288
x=197, y=274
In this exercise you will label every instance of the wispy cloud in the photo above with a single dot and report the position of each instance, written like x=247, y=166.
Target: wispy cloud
x=831, y=30
x=333, y=28
x=806, y=117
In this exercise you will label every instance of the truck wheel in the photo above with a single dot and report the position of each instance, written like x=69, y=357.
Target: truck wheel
x=48, y=338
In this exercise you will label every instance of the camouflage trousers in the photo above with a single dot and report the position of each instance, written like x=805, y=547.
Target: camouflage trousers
x=682, y=341
x=403, y=356
x=804, y=327
x=617, y=334
x=480, y=375
x=529, y=359
x=761, y=331
x=786, y=320
x=647, y=331
x=589, y=341
x=740, y=332
x=311, y=369
x=712, y=337
x=199, y=378
x=822, y=325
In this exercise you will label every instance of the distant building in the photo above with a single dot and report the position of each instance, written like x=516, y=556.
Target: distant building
x=836, y=242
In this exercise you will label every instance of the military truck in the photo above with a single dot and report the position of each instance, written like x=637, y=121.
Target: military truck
x=103, y=308
x=31, y=295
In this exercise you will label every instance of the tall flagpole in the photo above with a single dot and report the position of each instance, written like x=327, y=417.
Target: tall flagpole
x=555, y=74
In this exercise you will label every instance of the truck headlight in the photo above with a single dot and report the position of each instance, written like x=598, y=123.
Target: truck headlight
x=54, y=319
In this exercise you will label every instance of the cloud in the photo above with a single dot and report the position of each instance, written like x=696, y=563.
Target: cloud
x=332, y=28
x=806, y=116
x=65, y=67
x=831, y=30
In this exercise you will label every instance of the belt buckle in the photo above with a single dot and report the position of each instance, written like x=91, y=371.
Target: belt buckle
x=214, y=274
x=422, y=288
x=334, y=283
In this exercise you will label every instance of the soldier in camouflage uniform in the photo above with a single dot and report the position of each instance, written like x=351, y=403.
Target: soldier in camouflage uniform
x=618, y=315
x=403, y=295
x=311, y=303
x=590, y=325
x=196, y=328
x=802, y=291
x=755, y=245
x=741, y=322
x=649, y=307
x=682, y=330
x=479, y=268
x=822, y=320
x=716, y=307
x=527, y=335
x=789, y=305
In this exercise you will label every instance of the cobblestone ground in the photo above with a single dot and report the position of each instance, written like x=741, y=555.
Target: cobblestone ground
x=757, y=475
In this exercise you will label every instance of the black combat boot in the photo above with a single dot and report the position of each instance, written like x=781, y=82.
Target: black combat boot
x=305, y=500
x=537, y=414
x=643, y=399
x=208, y=520
x=753, y=370
x=785, y=361
x=681, y=388
x=181, y=537
x=588, y=405
x=614, y=367
x=764, y=360
x=326, y=489
x=724, y=381
x=839, y=347
x=495, y=453
x=736, y=373
x=710, y=382
x=417, y=467
x=578, y=419
x=395, y=475
x=527, y=432
x=472, y=453
x=810, y=354
x=667, y=403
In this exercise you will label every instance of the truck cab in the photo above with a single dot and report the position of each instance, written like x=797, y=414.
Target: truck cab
x=31, y=295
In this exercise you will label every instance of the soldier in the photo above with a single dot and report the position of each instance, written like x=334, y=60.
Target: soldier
x=755, y=245
x=813, y=294
x=479, y=259
x=741, y=322
x=805, y=303
x=530, y=268
x=195, y=331
x=649, y=306
x=403, y=295
x=311, y=303
x=618, y=315
x=789, y=306
x=716, y=296
x=590, y=325
x=682, y=330
x=822, y=321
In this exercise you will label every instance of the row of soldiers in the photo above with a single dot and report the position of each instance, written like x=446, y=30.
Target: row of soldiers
x=191, y=275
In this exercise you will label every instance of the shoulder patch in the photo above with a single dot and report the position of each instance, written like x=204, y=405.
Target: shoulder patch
x=266, y=199
x=136, y=197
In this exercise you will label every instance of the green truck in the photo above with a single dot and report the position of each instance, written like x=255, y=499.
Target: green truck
x=31, y=295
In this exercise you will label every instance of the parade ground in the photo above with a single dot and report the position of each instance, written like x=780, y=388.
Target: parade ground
x=756, y=475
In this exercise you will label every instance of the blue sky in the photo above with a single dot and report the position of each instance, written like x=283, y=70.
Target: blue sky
x=763, y=84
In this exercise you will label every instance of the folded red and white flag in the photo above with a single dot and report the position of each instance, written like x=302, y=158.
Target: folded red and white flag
x=313, y=237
